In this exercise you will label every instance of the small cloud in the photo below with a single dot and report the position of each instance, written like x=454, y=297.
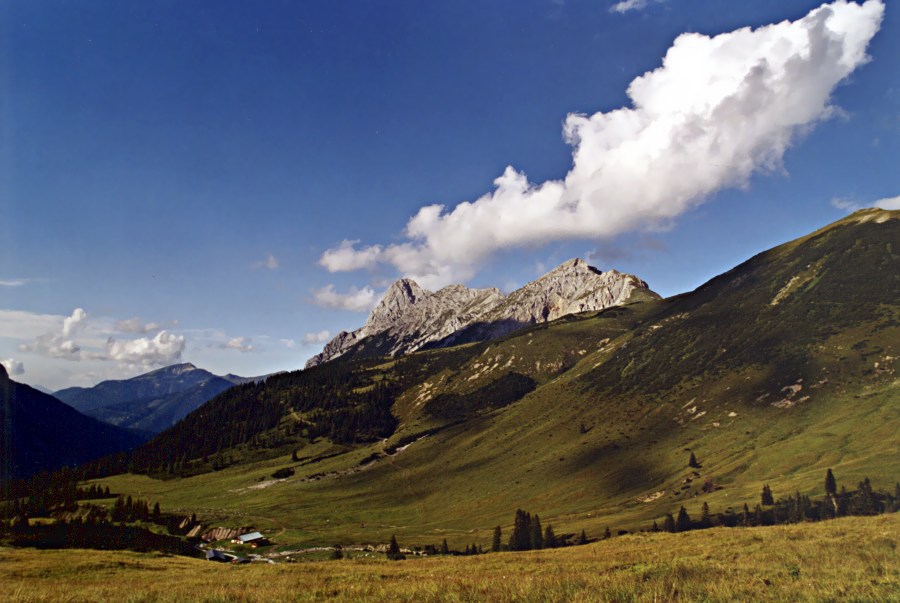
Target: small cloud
x=74, y=323
x=163, y=349
x=288, y=343
x=241, y=344
x=629, y=5
x=271, y=263
x=845, y=205
x=355, y=300
x=13, y=367
x=60, y=344
x=12, y=283
x=889, y=203
x=134, y=325
x=345, y=257
x=320, y=337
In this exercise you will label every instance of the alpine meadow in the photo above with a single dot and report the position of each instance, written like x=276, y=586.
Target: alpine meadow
x=660, y=367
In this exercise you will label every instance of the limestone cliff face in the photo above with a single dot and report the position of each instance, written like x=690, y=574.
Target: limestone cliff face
x=409, y=318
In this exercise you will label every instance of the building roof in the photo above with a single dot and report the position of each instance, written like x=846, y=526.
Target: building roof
x=250, y=537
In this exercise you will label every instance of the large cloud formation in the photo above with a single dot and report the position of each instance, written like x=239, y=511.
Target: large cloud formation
x=717, y=110
x=63, y=342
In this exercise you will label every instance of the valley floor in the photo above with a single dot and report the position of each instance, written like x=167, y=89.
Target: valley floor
x=851, y=559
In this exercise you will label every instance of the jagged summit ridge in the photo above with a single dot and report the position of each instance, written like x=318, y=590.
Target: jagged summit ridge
x=409, y=317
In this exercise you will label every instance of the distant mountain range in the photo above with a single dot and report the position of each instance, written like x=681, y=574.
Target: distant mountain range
x=38, y=432
x=153, y=401
x=410, y=318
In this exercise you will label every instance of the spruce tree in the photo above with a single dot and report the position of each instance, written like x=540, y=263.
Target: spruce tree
x=745, y=516
x=583, y=538
x=669, y=523
x=536, y=534
x=550, y=538
x=683, y=523
x=692, y=462
x=705, y=518
x=445, y=550
x=393, y=552
x=766, y=498
x=607, y=534
x=830, y=483
x=495, y=543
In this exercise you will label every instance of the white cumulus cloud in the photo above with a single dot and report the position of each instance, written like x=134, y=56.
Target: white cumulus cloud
x=135, y=325
x=889, y=203
x=346, y=257
x=241, y=344
x=60, y=344
x=716, y=111
x=13, y=367
x=162, y=349
x=355, y=300
x=320, y=337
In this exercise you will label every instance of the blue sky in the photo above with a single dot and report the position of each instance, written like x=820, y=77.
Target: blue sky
x=178, y=171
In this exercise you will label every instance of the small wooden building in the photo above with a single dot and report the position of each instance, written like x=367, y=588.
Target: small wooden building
x=253, y=539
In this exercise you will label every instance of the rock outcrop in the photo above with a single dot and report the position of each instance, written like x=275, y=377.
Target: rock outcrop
x=410, y=318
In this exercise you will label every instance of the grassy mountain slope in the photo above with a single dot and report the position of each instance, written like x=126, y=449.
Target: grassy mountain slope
x=770, y=373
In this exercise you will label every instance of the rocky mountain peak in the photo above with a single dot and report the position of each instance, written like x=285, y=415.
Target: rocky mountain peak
x=397, y=299
x=409, y=317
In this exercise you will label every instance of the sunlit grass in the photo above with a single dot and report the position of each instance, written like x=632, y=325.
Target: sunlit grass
x=852, y=559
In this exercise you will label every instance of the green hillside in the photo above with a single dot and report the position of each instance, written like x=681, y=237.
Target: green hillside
x=770, y=374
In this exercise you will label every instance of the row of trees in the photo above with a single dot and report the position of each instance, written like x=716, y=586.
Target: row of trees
x=864, y=500
x=527, y=535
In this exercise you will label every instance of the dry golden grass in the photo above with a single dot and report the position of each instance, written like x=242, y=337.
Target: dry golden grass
x=853, y=559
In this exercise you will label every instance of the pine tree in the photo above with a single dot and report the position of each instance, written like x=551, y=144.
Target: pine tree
x=683, y=523
x=830, y=483
x=669, y=523
x=156, y=512
x=393, y=552
x=655, y=527
x=583, y=538
x=536, y=534
x=520, y=539
x=550, y=538
x=607, y=534
x=495, y=543
x=766, y=498
x=692, y=462
x=745, y=516
x=705, y=518
x=445, y=550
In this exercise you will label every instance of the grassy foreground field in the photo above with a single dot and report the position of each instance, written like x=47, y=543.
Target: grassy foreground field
x=852, y=559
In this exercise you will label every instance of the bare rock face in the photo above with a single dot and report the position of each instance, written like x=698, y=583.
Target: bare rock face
x=410, y=318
